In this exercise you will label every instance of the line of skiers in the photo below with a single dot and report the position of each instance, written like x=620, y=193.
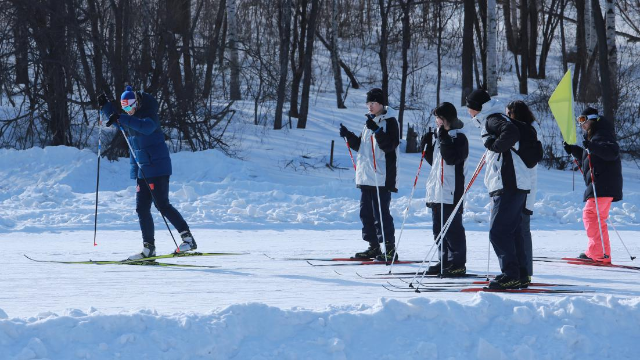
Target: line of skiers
x=512, y=154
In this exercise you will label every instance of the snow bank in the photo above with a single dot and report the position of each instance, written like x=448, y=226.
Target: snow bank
x=54, y=189
x=487, y=327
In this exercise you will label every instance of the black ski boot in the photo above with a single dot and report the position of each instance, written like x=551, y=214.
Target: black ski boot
x=391, y=252
x=525, y=279
x=504, y=282
x=370, y=253
x=455, y=271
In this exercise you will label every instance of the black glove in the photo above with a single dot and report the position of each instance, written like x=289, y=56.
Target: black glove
x=566, y=147
x=112, y=119
x=586, y=143
x=344, y=132
x=371, y=124
x=427, y=139
x=489, y=142
x=102, y=100
x=443, y=135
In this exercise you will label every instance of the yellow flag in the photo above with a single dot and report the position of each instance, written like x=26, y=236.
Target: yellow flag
x=561, y=104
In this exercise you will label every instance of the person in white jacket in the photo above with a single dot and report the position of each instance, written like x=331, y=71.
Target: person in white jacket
x=376, y=177
x=445, y=187
x=508, y=181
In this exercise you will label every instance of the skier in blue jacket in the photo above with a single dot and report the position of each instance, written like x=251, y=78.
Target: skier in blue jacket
x=152, y=176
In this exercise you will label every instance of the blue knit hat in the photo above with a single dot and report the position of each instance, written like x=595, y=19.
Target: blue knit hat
x=128, y=99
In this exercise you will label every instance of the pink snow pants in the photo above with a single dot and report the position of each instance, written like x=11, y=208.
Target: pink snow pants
x=590, y=220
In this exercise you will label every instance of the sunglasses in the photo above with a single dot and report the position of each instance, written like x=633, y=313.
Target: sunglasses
x=582, y=118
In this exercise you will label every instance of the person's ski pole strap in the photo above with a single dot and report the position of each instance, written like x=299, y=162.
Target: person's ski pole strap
x=95, y=218
x=595, y=199
x=350, y=153
x=153, y=198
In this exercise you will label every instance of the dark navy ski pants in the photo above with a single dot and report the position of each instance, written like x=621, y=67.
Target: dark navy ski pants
x=370, y=216
x=160, y=188
x=505, y=233
x=454, y=246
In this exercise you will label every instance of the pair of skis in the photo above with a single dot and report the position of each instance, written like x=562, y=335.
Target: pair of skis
x=150, y=261
x=343, y=261
x=579, y=261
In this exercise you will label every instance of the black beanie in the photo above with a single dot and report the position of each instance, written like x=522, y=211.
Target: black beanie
x=376, y=95
x=477, y=98
x=447, y=111
x=589, y=111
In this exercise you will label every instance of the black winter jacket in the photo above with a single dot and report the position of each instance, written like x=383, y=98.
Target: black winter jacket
x=605, y=162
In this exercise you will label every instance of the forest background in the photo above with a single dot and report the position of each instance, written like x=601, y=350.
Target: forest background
x=206, y=59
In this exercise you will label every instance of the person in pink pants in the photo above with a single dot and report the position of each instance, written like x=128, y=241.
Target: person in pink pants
x=602, y=172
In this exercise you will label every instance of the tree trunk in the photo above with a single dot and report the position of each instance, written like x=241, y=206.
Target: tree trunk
x=467, y=49
x=565, y=66
x=308, y=73
x=21, y=41
x=492, y=35
x=605, y=77
x=524, y=45
x=512, y=14
x=612, y=49
x=384, y=43
x=285, y=33
x=406, y=44
x=234, y=62
x=335, y=65
x=299, y=40
x=533, y=38
x=212, y=48
x=439, y=22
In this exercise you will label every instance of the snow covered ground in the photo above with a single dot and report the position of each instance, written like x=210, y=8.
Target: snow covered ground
x=281, y=200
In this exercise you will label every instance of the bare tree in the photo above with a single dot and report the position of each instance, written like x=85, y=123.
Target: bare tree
x=467, y=50
x=603, y=51
x=384, y=7
x=234, y=62
x=335, y=59
x=284, y=17
x=308, y=57
x=610, y=19
x=524, y=46
x=492, y=35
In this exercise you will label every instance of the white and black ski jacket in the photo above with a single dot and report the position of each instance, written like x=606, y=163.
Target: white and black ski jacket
x=385, y=142
x=504, y=170
x=448, y=160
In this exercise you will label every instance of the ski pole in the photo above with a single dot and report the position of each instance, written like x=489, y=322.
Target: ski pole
x=444, y=230
x=95, y=218
x=350, y=154
x=406, y=211
x=620, y=237
x=595, y=199
x=441, y=215
x=375, y=176
x=147, y=183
